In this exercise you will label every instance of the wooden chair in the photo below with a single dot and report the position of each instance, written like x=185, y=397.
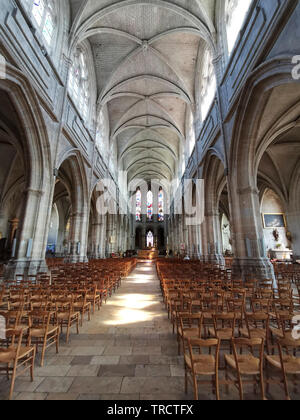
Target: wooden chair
x=246, y=364
x=198, y=364
x=261, y=305
x=176, y=308
x=42, y=333
x=190, y=327
x=224, y=326
x=238, y=307
x=94, y=298
x=67, y=316
x=282, y=327
x=12, y=319
x=15, y=357
x=83, y=307
x=257, y=326
x=210, y=306
x=286, y=362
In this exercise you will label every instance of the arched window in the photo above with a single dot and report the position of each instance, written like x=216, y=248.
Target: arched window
x=149, y=206
x=235, y=13
x=102, y=135
x=138, y=205
x=79, y=84
x=161, y=215
x=209, y=84
x=43, y=14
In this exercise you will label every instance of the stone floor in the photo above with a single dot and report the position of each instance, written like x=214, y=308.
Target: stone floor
x=127, y=352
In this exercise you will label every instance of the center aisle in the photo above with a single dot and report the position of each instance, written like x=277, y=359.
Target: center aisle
x=127, y=351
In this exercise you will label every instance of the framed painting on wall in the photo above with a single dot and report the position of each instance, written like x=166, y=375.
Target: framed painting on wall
x=274, y=220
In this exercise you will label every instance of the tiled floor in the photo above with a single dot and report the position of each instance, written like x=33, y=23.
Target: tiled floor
x=127, y=352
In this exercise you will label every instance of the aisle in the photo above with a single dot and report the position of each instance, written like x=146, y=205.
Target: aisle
x=127, y=352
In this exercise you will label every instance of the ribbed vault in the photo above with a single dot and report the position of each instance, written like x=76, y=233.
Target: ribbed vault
x=146, y=55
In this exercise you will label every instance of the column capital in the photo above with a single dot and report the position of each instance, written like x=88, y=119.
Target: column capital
x=77, y=214
x=248, y=190
x=34, y=192
x=212, y=214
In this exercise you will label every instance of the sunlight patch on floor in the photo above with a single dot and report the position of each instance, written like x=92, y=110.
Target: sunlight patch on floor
x=134, y=309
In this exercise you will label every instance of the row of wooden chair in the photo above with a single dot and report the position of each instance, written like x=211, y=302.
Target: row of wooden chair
x=247, y=364
x=229, y=315
x=37, y=312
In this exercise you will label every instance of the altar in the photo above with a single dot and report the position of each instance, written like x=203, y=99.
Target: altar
x=148, y=254
x=282, y=255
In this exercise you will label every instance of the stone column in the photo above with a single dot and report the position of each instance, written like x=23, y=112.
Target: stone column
x=293, y=218
x=78, y=238
x=103, y=237
x=180, y=232
x=96, y=239
x=32, y=237
x=109, y=235
x=193, y=237
x=211, y=239
x=248, y=240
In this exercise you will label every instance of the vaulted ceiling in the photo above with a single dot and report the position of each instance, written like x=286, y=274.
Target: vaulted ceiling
x=146, y=56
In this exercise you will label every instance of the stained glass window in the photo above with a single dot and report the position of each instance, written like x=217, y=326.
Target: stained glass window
x=161, y=205
x=78, y=83
x=149, y=206
x=138, y=206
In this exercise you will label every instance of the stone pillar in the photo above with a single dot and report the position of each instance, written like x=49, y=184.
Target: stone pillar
x=103, y=238
x=211, y=239
x=193, y=237
x=180, y=233
x=78, y=238
x=248, y=240
x=109, y=235
x=32, y=237
x=293, y=218
x=96, y=239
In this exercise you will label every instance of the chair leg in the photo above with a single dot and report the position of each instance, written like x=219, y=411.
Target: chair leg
x=262, y=386
x=68, y=332
x=186, y=380
x=13, y=380
x=195, y=388
x=240, y=388
x=43, y=352
x=57, y=342
x=217, y=388
x=286, y=387
x=32, y=367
